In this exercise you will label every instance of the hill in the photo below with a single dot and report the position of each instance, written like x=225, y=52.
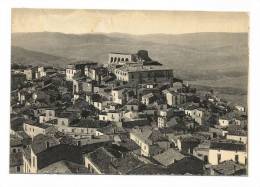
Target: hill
x=204, y=59
x=24, y=56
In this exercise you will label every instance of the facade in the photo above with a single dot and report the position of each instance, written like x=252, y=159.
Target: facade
x=119, y=58
x=141, y=73
x=174, y=98
x=220, y=152
x=34, y=129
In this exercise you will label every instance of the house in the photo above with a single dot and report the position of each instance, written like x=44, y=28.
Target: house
x=64, y=167
x=150, y=169
x=98, y=161
x=241, y=120
x=225, y=121
x=65, y=118
x=33, y=129
x=120, y=95
x=223, y=151
x=148, y=98
x=199, y=114
x=125, y=165
x=47, y=150
x=240, y=108
x=73, y=69
x=140, y=73
x=228, y=168
x=239, y=135
x=174, y=98
x=82, y=128
x=16, y=144
x=202, y=151
x=164, y=122
x=177, y=87
x=96, y=73
x=112, y=115
x=46, y=114
x=189, y=165
x=30, y=73
x=147, y=140
x=83, y=85
x=16, y=162
x=132, y=105
x=101, y=103
x=168, y=157
x=186, y=143
x=24, y=96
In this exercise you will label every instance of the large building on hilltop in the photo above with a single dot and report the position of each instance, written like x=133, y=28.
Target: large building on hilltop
x=138, y=68
x=141, y=74
x=141, y=57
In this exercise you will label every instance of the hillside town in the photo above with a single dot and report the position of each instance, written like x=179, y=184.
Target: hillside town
x=127, y=116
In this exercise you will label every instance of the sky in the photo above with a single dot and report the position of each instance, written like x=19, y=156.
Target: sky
x=131, y=22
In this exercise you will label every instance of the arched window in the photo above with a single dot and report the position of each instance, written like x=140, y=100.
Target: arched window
x=111, y=59
x=122, y=59
x=126, y=59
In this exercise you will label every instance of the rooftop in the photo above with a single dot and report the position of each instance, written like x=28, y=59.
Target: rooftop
x=229, y=168
x=169, y=157
x=229, y=146
x=143, y=68
x=101, y=158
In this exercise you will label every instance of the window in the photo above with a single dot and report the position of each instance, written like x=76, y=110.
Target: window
x=14, y=150
x=47, y=144
x=34, y=160
x=219, y=158
x=205, y=159
x=72, y=130
x=18, y=169
x=62, y=122
x=236, y=159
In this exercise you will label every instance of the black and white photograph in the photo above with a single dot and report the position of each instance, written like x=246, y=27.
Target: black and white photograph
x=127, y=92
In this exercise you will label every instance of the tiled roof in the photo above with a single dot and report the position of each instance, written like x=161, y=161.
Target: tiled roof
x=228, y=146
x=40, y=142
x=63, y=167
x=228, y=168
x=149, y=169
x=101, y=158
x=126, y=164
x=169, y=157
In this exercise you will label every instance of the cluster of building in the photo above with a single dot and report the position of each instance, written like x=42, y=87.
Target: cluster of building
x=127, y=116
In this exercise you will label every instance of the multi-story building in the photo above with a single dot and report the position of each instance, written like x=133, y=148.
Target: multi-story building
x=223, y=151
x=140, y=73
